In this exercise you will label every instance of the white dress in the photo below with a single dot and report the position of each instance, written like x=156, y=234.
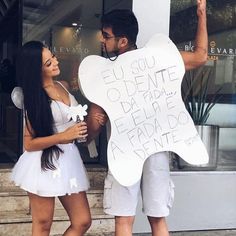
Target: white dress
x=70, y=175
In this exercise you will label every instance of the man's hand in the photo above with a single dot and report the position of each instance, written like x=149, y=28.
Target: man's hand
x=201, y=8
x=101, y=118
x=95, y=120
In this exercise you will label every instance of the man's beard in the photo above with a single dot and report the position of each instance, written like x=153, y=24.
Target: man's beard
x=112, y=56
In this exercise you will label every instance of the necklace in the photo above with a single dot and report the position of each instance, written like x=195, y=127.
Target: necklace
x=53, y=91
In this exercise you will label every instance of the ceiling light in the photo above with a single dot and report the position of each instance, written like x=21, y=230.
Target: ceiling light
x=74, y=24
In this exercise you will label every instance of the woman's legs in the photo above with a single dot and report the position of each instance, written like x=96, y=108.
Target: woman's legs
x=42, y=209
x=77, y=208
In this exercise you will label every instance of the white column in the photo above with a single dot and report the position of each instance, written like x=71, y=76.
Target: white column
x=153, y=17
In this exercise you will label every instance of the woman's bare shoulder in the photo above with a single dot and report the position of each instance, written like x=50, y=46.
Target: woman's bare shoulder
x=65, y=84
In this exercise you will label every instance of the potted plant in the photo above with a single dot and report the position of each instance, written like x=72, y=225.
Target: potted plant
x=199, y=103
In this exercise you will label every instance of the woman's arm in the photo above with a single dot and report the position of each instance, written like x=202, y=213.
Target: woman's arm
x=77, y=131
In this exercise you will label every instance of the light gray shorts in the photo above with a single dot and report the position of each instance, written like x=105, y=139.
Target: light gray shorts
x=157, y=190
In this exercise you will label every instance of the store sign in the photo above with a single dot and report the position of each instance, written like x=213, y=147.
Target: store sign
x=220, y=51
x=70, y=50
x=214, y=51
x=141, y=93
x=66, y=41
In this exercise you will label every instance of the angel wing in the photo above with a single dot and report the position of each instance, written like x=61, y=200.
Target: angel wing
x=17, y=97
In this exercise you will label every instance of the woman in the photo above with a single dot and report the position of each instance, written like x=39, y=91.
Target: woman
x=51, y=165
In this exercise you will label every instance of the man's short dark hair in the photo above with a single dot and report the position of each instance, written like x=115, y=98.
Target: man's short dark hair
x=123, y=23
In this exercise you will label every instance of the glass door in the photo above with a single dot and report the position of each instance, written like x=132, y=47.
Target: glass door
x=10, y=116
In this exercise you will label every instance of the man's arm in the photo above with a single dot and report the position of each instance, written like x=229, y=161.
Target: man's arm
x=199, y=56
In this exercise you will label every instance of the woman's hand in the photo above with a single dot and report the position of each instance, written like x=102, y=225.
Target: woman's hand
x=77, y=131
x=100, y=118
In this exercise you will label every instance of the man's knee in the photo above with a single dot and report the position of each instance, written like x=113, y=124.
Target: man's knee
x=158, y=226
x=156, y=220
x=124, y=220
x=124, y=225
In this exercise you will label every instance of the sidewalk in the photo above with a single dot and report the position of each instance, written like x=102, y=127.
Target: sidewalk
x=200, y=233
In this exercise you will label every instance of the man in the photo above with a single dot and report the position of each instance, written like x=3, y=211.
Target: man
x=119, y=33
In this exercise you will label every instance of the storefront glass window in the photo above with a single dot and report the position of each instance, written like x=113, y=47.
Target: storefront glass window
x=72, y=30
x=218, y=78
x=10, y=116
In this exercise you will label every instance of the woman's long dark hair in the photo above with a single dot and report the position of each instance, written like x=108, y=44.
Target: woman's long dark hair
x=36, y=101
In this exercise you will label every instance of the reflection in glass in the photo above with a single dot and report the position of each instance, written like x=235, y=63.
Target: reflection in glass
x=10, y=116
x=72, y=31
x=221, y=60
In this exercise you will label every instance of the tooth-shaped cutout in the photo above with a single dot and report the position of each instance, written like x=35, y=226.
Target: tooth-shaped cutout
x=141, y=93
